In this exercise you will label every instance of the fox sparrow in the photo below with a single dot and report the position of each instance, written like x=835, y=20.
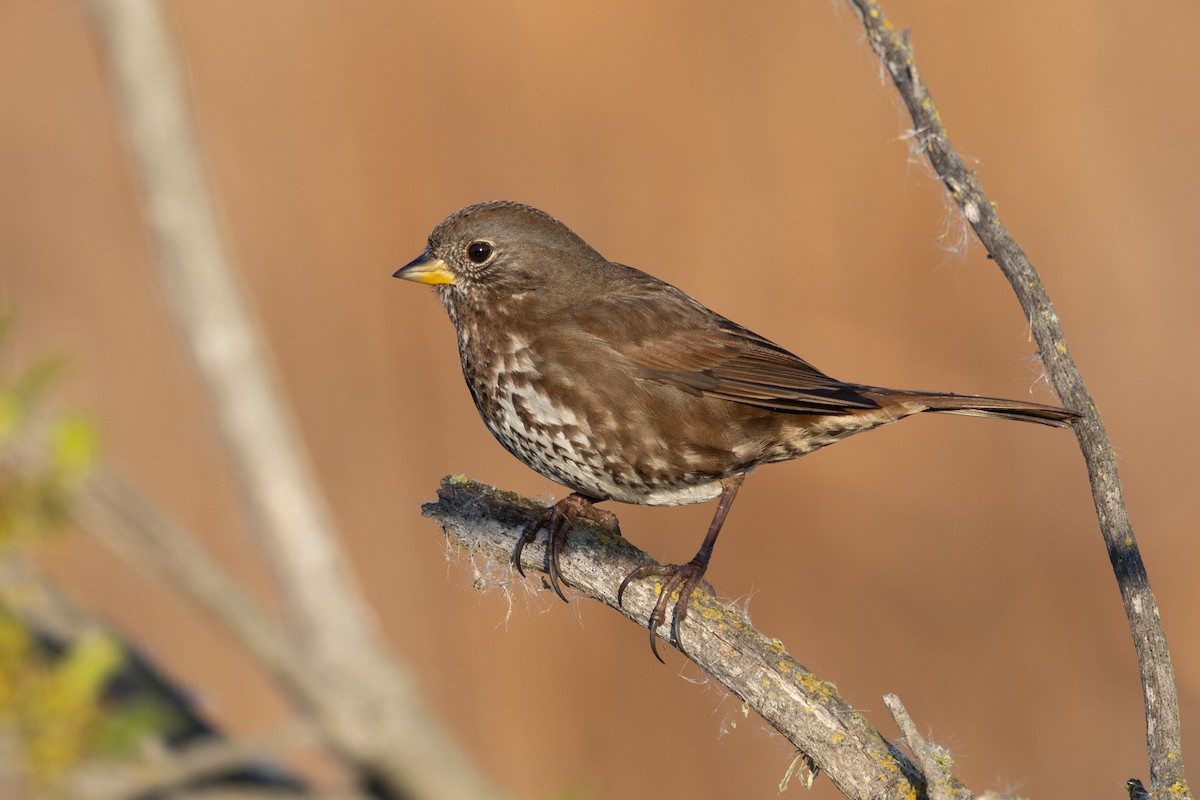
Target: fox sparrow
x=621, y=387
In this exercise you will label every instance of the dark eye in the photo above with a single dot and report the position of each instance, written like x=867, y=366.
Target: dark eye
x=479, y=252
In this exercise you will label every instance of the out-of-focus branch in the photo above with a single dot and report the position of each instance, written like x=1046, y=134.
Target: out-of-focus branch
x=130, y=525
x=167, y=772
x=374, y=722
x=1163, y=735
x=194, y=757
x=282, y=501
x=824, y=727
x=370, y=708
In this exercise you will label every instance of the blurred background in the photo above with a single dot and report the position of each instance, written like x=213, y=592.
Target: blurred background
x=755, y=156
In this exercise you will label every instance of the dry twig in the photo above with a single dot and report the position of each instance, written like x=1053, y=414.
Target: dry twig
x=1163, y=737
x=941, y=784
x=343, y=674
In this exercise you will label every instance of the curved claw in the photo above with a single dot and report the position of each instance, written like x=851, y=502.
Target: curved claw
x=684, y=577
x=640, y=572
x=654, y=641
x=558, y=537
x=530, y=533
x=681, y=577
x=558, y=519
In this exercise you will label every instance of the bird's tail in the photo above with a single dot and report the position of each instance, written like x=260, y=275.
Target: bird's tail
x=970, y=405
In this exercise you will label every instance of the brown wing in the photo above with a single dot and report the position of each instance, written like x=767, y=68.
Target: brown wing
x=668, y=337
x=735, y=364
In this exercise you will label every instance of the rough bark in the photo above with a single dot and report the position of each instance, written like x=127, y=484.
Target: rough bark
x=1163, y=735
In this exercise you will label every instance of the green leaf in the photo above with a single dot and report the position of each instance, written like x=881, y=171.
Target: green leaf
x=74, y=446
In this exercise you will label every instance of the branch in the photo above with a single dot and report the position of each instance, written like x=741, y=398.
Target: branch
x=934, y=761
x=280, y=495
x=170, y=772
x=402, y=747
x=337, y=636
x=127, y=523
x=829, y=733
x=193, y=756
x=342, y=708
x=1158, y=678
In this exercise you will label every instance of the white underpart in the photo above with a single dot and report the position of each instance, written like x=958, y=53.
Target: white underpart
x=539, y=404
x=682, y=496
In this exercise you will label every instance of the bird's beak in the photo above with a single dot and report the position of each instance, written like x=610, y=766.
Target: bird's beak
x=426, y=269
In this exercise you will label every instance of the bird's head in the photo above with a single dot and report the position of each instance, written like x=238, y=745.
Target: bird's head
x=498, y=249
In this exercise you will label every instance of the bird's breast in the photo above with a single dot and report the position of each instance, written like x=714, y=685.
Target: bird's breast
x=596, y=431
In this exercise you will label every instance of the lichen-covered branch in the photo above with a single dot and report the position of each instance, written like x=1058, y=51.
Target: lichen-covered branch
x=940, y=782
x=1158, y=678
x=822, y=725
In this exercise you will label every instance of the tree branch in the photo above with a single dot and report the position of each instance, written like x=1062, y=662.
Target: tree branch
x=335, y=633
x=345, y=704
x=934, y=761
x=281, y=500
x=170, y=772
x=1163, y=737
x=192, y=755
x=826, y=729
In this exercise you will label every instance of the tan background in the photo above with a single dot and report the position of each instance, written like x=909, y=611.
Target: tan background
x=755, y=157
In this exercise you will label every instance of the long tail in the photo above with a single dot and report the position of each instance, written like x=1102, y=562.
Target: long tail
x=970, y=405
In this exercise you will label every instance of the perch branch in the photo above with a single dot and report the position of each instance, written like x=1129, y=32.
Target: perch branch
x=1163, y=736
x=822, y=725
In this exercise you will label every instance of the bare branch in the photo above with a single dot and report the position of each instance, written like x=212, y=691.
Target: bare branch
x=720, y=639
x=339, y=644
x=158, y=767
x=934, y=762
x=130, y=525
x=170, y=770
x=248, y=793
x=1163, y=736
x=347, y=703
x=283, y=504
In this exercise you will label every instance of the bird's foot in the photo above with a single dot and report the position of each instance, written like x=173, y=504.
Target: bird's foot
x=683, y=578
x=557, y=520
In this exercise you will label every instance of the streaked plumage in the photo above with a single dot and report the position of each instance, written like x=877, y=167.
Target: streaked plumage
x=620, y=386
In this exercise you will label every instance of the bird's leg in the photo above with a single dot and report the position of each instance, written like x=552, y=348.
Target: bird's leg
x=558, y=519
x=684, y=577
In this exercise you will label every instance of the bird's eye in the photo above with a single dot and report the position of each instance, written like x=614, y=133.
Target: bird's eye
x=479, y=252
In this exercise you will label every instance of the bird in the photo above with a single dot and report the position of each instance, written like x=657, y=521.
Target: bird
x=620, y=386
